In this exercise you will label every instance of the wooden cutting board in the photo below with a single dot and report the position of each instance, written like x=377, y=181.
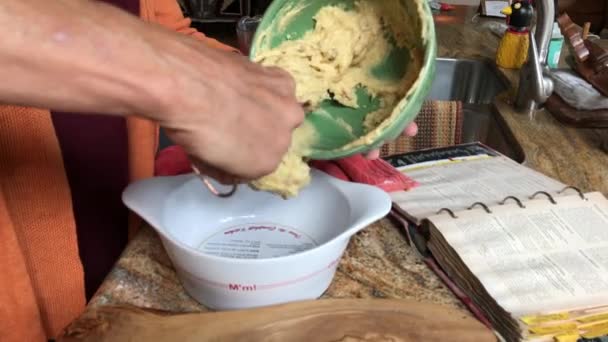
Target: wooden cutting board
x=320, y=320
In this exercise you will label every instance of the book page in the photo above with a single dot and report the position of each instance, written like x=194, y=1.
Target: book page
x=459, y=183
x=542, y=258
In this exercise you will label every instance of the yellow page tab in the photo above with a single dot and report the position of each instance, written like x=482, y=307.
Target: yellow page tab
x=533, y=320
x=593, y=318
x=570, y=336
x=552, y=329
x=596, y=330
x=594, y=325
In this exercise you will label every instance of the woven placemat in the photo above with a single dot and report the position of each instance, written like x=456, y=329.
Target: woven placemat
x=439, y=125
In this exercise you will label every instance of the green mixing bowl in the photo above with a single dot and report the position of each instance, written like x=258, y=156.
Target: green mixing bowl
x=334, y=139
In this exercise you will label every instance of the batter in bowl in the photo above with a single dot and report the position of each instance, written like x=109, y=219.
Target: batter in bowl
x=331, y=62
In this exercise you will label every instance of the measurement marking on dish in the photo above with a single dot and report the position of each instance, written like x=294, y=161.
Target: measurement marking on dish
x=257, y=241
x=236, y=287
x=259, y=228
x=242, y=288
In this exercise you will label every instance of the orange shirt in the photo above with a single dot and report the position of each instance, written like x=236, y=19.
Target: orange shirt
x=41, y=279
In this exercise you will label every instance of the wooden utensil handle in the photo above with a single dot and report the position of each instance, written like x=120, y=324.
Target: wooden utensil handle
x=586, y=29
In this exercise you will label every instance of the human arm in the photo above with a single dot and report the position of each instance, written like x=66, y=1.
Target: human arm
x=169, y=14
x=80, y=55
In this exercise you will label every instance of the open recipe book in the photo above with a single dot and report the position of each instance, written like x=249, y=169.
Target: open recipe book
x=529, y=251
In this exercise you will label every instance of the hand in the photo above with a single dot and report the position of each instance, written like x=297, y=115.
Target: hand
x=411, y=130
x=234, y=118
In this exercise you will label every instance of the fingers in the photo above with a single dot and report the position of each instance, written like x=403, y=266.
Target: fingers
x=374, y=154
x=279, y=81
x=411, y=130
x=243, y=125
x=285, y=77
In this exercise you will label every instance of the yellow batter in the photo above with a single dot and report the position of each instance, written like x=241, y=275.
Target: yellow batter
x=330, y=62
x=293, y=173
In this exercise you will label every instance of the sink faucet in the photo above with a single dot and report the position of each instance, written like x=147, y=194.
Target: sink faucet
x=535, y=85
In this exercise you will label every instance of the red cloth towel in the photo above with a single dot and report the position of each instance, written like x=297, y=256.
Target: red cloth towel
x=359, y=169
x=174, y=161
x=447, y=7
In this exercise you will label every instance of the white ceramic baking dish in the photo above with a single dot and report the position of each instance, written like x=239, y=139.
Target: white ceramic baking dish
x=255, y=249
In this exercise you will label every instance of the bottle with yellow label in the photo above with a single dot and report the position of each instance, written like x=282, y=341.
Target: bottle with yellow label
x=513, y=48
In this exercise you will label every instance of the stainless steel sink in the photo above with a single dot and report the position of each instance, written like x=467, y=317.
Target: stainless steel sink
x=476, y=83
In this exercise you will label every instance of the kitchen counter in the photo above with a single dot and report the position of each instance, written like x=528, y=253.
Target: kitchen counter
x=578, y=157
x=378, y=262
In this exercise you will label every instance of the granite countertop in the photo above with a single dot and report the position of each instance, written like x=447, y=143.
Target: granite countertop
x=379, y=262
x=578, y=157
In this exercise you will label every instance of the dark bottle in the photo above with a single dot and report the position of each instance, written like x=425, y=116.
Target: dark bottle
x=521, y=15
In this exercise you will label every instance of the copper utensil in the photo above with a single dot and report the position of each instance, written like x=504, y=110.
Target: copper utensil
x=212, y=188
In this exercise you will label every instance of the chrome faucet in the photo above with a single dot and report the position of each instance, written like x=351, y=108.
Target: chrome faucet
x=535, y=84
